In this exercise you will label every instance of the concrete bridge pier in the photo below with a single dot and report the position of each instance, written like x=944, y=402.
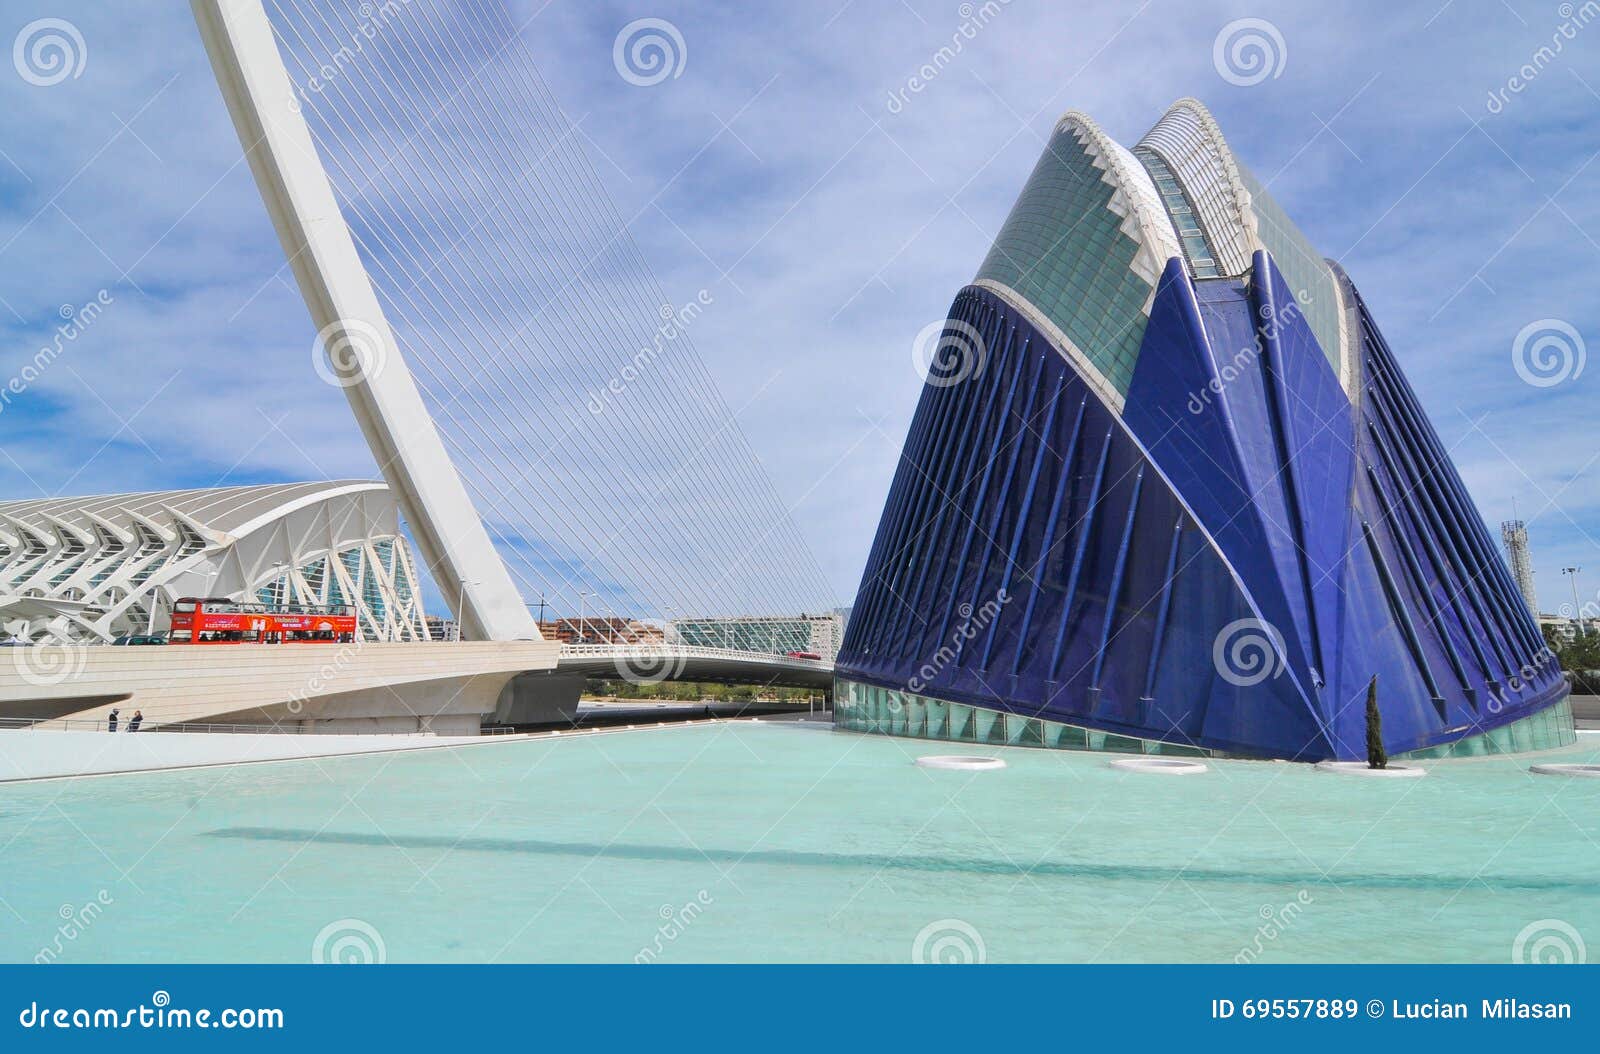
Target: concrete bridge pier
x=541, y=697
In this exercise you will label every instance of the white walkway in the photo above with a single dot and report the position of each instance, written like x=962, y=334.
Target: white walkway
x=29, y=755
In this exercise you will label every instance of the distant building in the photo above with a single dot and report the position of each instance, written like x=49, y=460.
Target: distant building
x=1562, y=628
x=601, y=631
x=773, y=634
x=96, y=568
x=1515, y=535
x=441, y=628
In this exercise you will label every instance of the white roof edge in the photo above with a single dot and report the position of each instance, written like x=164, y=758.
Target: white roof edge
x=1153, y=228
x=306, y=500
x=199, y=505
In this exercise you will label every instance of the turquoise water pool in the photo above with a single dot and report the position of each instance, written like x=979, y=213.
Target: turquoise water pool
x=741, y=841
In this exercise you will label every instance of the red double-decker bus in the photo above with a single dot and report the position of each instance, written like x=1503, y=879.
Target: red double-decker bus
x=218, y=620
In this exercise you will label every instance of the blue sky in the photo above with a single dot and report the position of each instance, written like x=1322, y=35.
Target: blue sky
x=829, y=225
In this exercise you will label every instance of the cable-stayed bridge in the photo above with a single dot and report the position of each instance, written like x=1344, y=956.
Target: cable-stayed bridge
x=532, y=395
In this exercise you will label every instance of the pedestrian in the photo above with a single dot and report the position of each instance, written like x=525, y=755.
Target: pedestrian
x=111, y=719
x=135, y=721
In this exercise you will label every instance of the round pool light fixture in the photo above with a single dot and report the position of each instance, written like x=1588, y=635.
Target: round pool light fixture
x=1565, y=769
x=960, y=762
x=1160, y=766
x=1361, y=768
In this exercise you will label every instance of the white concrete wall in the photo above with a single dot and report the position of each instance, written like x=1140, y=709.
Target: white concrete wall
x=283, y=683
x=26, y=754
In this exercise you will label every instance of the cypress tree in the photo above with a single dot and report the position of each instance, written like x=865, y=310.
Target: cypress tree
x=1376, y=757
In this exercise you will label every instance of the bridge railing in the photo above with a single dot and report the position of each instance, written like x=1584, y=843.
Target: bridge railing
x=90, y=724
x=687, y=651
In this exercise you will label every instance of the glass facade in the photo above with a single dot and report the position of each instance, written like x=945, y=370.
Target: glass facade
x=1548, y=729
x=1064, y=248
x=380, y=573
x=1196, y=248
x=1303, y=268
x=860, y=707
x=777, y=635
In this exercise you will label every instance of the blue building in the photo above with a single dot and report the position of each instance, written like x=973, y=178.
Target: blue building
x=1167, y=490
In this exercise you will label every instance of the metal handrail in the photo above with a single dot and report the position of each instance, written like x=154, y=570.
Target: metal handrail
x=694, y=651
x=89, y=724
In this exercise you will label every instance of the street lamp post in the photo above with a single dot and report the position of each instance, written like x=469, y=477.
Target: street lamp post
x=583, y=629
x=1577, y=612
x=461, y=597
x=611, y=626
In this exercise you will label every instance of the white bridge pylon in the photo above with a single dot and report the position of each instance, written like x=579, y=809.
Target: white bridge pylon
x=344, y=307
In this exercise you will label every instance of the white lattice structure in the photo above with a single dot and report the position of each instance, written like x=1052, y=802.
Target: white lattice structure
x=93, y=569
